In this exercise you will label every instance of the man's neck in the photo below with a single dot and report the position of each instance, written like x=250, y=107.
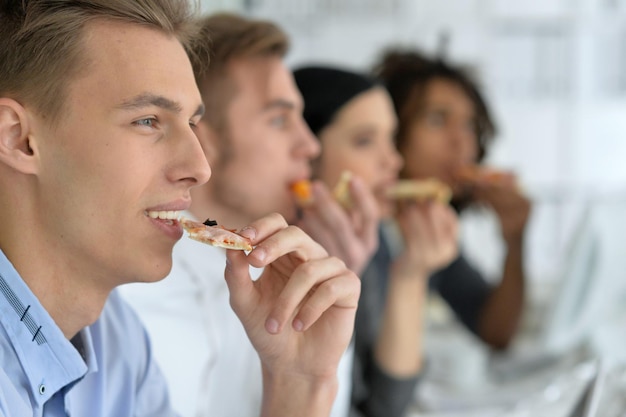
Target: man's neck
x=69, y=298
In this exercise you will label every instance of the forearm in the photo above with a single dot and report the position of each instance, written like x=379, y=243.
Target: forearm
x=398, y=350
x=288, y=395
x=501, y=315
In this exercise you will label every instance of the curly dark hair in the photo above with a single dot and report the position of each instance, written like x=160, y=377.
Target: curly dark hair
x=406, y=74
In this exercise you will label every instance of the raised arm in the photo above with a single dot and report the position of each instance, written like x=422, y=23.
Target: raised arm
x=299, y=315
x=430, y=233
x=502, y=313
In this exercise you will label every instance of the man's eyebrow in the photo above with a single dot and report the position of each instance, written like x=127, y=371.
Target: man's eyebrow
x=148, y=100
x=279, y=104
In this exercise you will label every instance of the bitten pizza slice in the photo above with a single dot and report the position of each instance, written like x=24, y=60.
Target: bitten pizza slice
x=213, y=234
x=304, y=195
x=480, y=174
x=341, y=192
x=420, y=190
x=302, y=191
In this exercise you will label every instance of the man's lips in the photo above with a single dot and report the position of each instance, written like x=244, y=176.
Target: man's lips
x=167, y=221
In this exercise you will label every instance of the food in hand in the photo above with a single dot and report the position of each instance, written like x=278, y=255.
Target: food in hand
x=341, y=192
x=421, y=191
x=302, y=191
x=213, y=234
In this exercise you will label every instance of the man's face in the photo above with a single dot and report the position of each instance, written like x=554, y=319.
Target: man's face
x=442, y=138
x=123, y=148
x=267, y=145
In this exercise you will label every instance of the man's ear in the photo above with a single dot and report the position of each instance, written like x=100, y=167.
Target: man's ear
x=16, y=149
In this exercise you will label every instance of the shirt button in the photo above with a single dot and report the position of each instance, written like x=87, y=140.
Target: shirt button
x=42, y=389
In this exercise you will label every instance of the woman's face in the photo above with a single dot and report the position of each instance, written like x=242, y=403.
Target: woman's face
x=361, y=139
x=442, y=137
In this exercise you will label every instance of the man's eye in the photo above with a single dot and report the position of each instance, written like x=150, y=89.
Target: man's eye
x=362, y=141
x=435, y=119
x=278, y=121
x=148, y=122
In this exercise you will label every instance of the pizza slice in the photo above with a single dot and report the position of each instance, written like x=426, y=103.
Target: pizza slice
x=302, y=191
x=421, y=190
x=213, y=234
x=480, y=174
x=304, y=195
x=341, y=192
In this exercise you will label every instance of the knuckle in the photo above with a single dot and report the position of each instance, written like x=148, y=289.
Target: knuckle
x=278, y=218
x=308, y=269
x=295, y=229
x=338, y=262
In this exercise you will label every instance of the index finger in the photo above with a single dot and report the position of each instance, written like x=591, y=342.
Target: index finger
x=272, y=238
x=366, y=206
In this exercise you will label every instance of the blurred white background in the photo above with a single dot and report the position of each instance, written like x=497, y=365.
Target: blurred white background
x=554, y=74
x=553, y=71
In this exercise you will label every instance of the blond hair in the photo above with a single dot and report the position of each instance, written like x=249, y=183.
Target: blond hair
x=41, y=41
x=229, y=37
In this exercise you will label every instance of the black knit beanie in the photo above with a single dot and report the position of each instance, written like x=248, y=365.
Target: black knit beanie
x=325, y=90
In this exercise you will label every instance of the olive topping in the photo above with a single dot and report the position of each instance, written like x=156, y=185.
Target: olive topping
x=209, y=222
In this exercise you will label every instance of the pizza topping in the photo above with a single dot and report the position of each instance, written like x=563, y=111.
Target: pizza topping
x=215, y=235
x=302, y=191
x=209, y=222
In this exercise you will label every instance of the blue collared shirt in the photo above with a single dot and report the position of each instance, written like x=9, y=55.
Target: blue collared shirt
x=42, y=373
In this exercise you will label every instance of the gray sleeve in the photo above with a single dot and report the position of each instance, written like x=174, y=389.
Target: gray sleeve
x=464, y=289
x=384, y=396
x=375, y=393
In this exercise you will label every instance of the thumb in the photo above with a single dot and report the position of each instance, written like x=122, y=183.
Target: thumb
x=238, y=280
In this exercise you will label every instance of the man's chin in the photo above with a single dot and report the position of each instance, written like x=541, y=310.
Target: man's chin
x=158, y=271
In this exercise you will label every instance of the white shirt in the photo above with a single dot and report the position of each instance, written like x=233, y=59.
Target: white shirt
x=220, y=373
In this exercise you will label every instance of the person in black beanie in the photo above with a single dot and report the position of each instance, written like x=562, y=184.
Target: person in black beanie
x=354, y=120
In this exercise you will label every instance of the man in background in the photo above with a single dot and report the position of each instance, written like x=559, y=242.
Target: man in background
x=258, y=144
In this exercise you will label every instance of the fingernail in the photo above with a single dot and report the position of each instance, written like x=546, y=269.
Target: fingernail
x=271, y=325
x=248, y=232
x=298, y=325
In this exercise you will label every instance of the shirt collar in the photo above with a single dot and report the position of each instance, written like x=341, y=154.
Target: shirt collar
x=49, y=360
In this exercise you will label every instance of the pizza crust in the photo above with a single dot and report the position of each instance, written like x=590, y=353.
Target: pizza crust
x=421, y=190
x=215, y=235
x=477, y=173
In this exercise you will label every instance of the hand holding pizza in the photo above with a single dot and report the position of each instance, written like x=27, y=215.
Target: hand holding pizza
x=430, y=232
x=300, y=313
x=512, y=207
x=501, y=191
x=349, y=233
